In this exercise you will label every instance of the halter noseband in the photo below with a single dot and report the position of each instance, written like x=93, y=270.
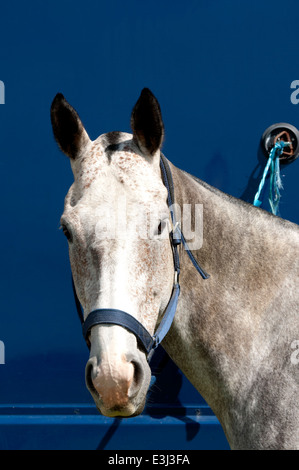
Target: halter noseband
x=110, y=316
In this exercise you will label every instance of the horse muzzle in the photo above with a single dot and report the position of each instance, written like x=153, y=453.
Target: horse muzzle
x=118, y=385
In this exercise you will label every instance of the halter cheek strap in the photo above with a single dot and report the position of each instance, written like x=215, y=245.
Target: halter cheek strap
x=109, y=316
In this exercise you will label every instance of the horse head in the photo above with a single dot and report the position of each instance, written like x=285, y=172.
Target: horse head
x=116, y=220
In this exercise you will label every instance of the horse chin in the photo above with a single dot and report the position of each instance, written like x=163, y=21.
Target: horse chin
x=129, y=411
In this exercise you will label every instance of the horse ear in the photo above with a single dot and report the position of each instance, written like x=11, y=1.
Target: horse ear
x=67, y=127
x=146, y=123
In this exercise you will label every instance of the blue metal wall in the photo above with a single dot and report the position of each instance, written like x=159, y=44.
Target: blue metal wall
x=222, y=72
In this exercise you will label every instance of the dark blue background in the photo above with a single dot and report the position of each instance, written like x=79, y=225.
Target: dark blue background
x=221, y=70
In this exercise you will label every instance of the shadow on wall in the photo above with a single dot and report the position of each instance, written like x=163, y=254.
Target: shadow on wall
x=167, y=373
x=217, y=174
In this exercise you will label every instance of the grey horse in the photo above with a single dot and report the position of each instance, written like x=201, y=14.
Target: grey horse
x=233, y=335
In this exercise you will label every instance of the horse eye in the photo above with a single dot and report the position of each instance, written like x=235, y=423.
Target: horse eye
x=67, y=233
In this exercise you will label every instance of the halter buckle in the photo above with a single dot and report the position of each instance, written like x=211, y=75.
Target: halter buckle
x=176, y=238
x=176, y=276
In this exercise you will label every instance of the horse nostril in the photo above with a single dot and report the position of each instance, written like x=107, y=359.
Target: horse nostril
x=88, y=376
x=137, y=377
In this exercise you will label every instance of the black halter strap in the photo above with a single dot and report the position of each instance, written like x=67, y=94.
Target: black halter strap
x=109, y=316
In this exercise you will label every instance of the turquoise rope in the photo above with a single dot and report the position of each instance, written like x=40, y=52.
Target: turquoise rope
x=275, y=179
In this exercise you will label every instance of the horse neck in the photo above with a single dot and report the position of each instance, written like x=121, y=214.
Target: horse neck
x=223, y=329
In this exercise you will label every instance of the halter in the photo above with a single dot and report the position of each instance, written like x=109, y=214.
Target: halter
x=109, y=316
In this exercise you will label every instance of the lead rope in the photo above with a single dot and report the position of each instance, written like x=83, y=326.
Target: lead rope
x=275, y=179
